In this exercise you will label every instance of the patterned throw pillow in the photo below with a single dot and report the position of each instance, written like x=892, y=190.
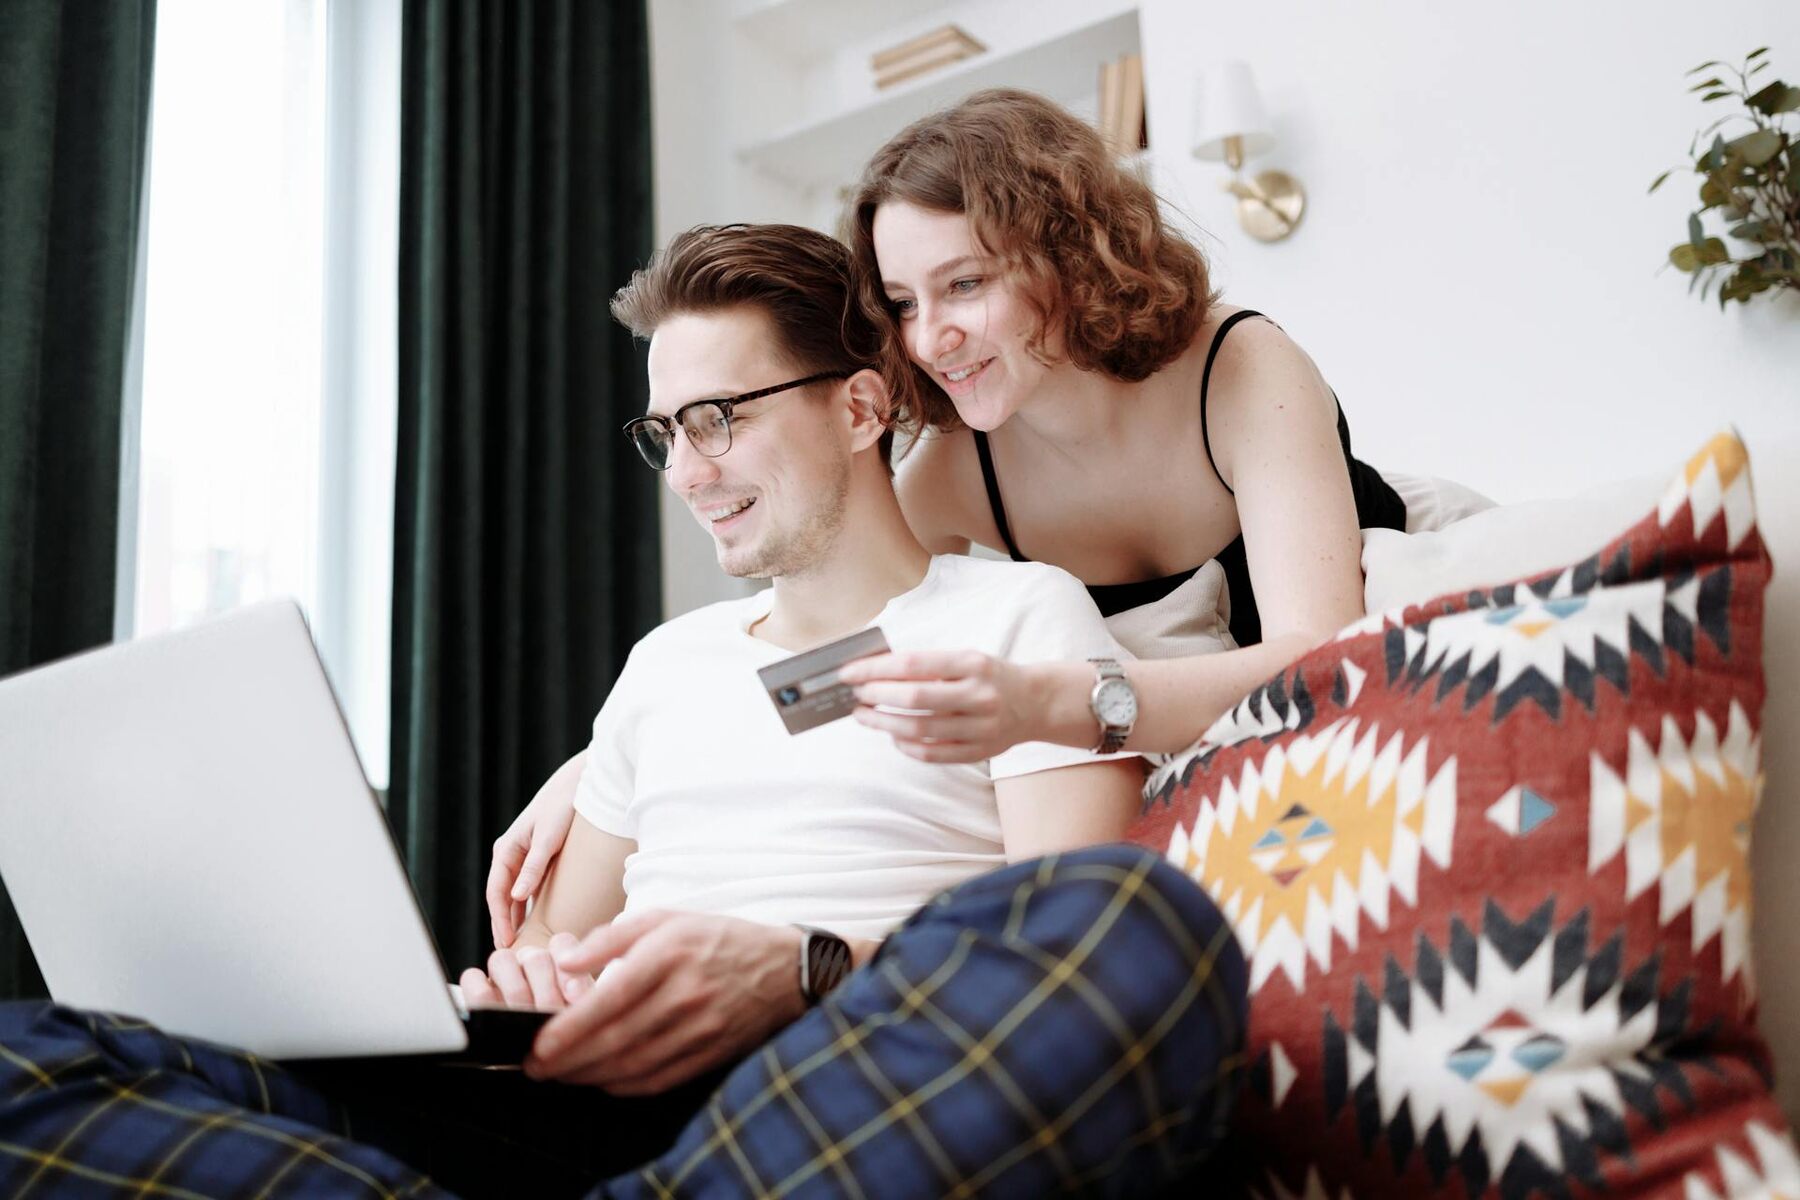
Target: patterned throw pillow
x=1488, y=859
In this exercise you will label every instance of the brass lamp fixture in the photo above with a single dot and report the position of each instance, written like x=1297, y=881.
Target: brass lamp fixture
x=1232, y=126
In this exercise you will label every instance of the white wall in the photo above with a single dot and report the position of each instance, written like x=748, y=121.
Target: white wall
x=1477, y=274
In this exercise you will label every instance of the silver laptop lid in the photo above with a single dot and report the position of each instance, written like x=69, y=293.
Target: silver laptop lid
x=188, y=837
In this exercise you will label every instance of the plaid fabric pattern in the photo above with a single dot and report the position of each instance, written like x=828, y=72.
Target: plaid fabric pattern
x=1070, y=1025
x=96, y=1105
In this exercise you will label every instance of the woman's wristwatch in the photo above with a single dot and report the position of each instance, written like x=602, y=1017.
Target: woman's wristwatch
x=824, y=962
x=1114, y=704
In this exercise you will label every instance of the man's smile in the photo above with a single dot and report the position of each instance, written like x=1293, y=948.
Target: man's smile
x=719, y=516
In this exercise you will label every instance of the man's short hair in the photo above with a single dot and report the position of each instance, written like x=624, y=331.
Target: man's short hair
x=799, y=277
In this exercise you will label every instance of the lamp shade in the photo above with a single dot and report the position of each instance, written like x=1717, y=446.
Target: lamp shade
x=1230, y=106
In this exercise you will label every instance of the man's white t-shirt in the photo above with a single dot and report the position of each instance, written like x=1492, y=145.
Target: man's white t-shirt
x=832, y=827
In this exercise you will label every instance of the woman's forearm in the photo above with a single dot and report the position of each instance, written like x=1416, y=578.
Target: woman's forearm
x=1178, y=698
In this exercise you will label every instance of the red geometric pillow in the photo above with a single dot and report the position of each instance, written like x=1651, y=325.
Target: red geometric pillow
x=1488, y=859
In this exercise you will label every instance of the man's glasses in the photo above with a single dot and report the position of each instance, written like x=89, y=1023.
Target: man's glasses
x=707, y=423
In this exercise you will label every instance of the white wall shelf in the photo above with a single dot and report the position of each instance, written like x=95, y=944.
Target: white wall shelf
x=829, y=151
x=810, y=29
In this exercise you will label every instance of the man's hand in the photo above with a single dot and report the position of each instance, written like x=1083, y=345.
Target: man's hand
x=686, y=992
x=525, y=978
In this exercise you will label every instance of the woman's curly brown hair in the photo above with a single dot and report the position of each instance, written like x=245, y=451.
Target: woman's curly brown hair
x=1082, y=237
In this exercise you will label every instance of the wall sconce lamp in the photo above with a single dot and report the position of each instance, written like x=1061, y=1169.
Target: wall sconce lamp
x=1231, y=126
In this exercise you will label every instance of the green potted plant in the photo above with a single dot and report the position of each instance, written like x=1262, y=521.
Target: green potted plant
x=1752, y=180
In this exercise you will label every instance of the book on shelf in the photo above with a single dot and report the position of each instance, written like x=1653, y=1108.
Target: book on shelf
x=1112, y=78
x=1133, y=134
x=927, y=52
x=1121, y=116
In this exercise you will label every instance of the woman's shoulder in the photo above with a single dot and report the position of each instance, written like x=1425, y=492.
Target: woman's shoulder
x=1262, y=384
x=1254, y=355
x=1252, y=340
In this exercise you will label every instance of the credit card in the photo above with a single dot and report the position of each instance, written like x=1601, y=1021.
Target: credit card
x=805, y=688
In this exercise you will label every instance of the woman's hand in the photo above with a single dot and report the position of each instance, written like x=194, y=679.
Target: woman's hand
x=962, y=705
x=522, y=854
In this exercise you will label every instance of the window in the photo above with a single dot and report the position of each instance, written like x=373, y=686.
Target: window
x=265, y=445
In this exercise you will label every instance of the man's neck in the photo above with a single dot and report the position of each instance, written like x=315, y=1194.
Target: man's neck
x=875, y=558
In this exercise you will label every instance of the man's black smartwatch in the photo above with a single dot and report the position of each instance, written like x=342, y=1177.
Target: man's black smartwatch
x=824, y=961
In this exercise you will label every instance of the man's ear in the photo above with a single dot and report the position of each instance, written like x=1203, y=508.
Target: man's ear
x=870, y=408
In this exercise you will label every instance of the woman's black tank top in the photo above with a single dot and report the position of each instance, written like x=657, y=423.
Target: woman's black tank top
x=1378, y=506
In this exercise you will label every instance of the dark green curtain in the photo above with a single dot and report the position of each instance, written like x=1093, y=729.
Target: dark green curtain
x=525, y=551
x=74, y=103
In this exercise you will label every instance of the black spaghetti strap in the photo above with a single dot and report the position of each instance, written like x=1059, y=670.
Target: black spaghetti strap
x=993, y=491
x=1206, y=379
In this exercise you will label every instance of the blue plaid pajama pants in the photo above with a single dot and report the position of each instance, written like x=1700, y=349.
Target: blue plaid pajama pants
x=1070, y=1025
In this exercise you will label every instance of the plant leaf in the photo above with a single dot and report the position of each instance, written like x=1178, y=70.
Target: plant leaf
x=1711, y=96
x=1659, y=180
x=1696, y=234
x=1757, y=148
x=1684, y=257
x=1715, y=157
x=1749, y=231
x=1711, y=62
x=1756, y=54
x=1777, y=97
x=1712, y=252
x=1714, y=82
x=1713, y=193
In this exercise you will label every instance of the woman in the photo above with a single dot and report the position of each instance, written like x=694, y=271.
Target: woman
x=1082, y=398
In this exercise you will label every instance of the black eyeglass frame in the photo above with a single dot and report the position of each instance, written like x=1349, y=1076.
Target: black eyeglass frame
x=725, y=405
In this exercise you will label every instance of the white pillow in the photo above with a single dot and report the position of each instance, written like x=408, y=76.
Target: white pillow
x=1432, y=503
x=1509, y=541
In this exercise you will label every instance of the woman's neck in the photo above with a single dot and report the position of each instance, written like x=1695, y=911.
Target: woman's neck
x=1075, y=413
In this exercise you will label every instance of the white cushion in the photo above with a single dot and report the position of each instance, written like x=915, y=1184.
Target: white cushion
x=1509, y=541
x=1432, y=503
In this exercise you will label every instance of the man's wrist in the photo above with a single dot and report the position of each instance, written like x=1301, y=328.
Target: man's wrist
x=790, y=944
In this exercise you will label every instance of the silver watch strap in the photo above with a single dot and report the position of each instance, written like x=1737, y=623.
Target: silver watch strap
x=1112, y=737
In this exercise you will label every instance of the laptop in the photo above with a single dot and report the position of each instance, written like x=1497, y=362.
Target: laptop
x=188, y=837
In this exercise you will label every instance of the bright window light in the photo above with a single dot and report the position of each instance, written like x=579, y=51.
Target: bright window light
x=249, y=459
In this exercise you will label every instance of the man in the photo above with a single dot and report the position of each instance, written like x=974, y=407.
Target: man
x=833, y=828
x=1067, y=1023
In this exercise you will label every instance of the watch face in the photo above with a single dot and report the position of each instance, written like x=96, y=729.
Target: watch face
x=1117, y=703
